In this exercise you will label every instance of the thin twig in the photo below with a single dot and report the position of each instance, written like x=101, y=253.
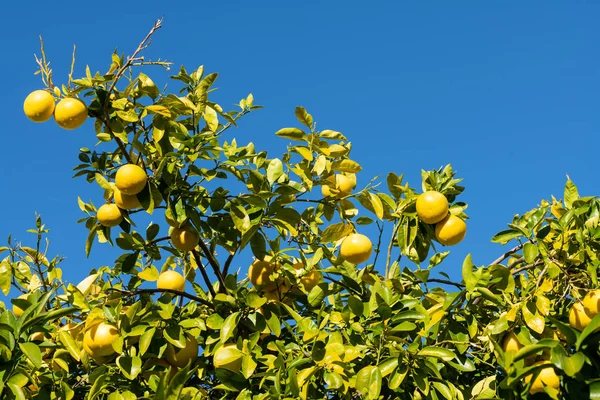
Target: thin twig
x=213, y=263
x=526, y=267
x=377, y=249
x=143, y=44
x=507, y=254
x=196, y=256
x=389, y=253
x=228, y=263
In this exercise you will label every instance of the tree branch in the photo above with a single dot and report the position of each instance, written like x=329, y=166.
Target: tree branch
x=390, y=247
x=213, y=263
x=177, y=292
x=228, y=263
x=507, y=254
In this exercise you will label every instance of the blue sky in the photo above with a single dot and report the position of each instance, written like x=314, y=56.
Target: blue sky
x=506, y=92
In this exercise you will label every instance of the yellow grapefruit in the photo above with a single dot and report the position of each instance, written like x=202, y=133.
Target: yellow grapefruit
x=356, y=248
x=131, y=179
x=109, y=215
x=171, y=280
x=179, y=357
x=451, y=230
x=70, y=113
x=97, y=341
x=432, y=207
x=184, y=238
x=39, y=106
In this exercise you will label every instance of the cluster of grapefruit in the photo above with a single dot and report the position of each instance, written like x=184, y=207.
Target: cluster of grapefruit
x=546, y=375
x=582, y=312
x=433, y=209
x=70, y=112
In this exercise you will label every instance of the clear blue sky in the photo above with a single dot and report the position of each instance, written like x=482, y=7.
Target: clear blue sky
x=506, y=92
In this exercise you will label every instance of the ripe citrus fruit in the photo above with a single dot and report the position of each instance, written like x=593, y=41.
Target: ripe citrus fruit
x=125, y=201
x=341, y=183
x=39, y=106
x=16, y=309
x=309, y=280
x=591, y=302
x=451, y=230
x=259, y=272
x=171, y=280
x=228, y=357
x=131, y=179
x=356, y=248
x=70, y=113
x=184, y=238
x=279, y=293
x=109, y=215
x=179, y=357
x=511, y=343
x=98, y=340
x=546, y=377
x=432, y=207
x=578, y=317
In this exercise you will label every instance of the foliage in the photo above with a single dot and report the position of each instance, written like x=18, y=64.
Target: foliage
x=375, y=331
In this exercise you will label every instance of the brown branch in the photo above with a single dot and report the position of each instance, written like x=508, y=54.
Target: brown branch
x=528, y=266
x=390, y=247
x=228, y=263
x=196, y=255
x=507, y=254
x=172, y=291
x=378, y=248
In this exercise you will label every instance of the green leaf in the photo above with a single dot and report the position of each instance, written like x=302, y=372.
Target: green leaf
x=211, y=118
x=530, y=252
x=377, y=205
x=571, y=193
x=229, y=326
x=346, y=166
x=364, y=221
x=274, y=170
x=146, y=340
x=437, y=352
x=316, y=295
x=468, y=275
x=67, y=340
x=335, y=232
x=572, y=365
x=16, y=390
x=5, y=276
x=387, y=366
x=130, y=366
x=485, y=388
x=368, y=382
x=292, y=133
x=304, y=117
x=32, y=351
x=102, y=182
x=533, y=320
x=506, y=236
x=240, y=218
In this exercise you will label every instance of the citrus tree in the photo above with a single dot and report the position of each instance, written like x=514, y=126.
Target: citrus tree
x=319, y=309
